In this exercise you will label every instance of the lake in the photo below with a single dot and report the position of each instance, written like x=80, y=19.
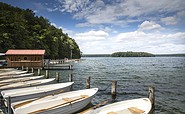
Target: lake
x=133, y=75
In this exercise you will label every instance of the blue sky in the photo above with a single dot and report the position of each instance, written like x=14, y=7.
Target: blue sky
x=107, y=26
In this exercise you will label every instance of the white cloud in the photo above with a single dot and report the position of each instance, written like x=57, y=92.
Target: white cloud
x=157, y=43
x=120, y=12
x=91, y=35
x=150, y=26
x=169, y=20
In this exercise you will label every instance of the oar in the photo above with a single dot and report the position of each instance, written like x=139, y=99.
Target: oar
x=30, y=101
x=94, y=107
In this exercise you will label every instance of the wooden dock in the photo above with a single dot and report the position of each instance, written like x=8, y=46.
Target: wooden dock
x=58, y=67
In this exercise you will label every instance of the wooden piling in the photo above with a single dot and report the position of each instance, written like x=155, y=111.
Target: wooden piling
x=47, y=74
x=32, y=70
x=113, y=90
x=9, y=105
x=39, y=71
x=57, y=76
x=70, y=67
x=70, y=77
x=27, y=69
x=88, y=82
x=22, y=68
x=151, y=96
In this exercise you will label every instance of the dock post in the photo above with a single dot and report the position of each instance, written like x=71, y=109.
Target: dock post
x=22, y=67
x=47, y=74
x=32, y=70
x=27, y=69
x=39, y=71
x=151, y=96
x=113, y=90
x=70, y=77
x=70, y=67
x=9, y=105
x=88, y=82
x=57, y=76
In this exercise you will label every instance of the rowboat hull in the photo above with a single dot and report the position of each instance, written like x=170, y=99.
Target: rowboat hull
x=64, y=103
x=25, y=84
x=13, y=80
x=35, y=92
x=138, y=106
x=12, y=73
x=15, y=76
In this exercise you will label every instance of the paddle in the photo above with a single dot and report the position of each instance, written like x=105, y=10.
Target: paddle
x=94, y=107
x=30, y=101
x=67, y=101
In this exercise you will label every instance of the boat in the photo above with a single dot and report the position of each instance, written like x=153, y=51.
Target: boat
x=13, y=80
x=25, y=84
x=35, y=92
x=133, y=106
x=15, y=76
x=14, y=72
x=63, y=103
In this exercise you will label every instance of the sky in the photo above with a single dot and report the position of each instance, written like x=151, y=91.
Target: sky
x=108, y=26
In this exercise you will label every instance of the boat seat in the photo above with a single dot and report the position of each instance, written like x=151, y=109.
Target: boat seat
x=67, y=99
x=111, y=113
x=136, y=110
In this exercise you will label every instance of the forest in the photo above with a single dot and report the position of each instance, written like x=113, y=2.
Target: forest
x=22, y=29
x=132, y=54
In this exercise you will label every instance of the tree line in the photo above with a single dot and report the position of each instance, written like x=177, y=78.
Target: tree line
x=22, y=29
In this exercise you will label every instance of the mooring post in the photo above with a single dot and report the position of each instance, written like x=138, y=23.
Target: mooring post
x=22, y=67
x=151, y=96
x=88, y=82
x=57, y=76
x=47, y=74
x=70, y=67
x=27, y=69
x=32, y=70
x=39, y=71
x=9, y=105
x=113, y=90
x=70, y=77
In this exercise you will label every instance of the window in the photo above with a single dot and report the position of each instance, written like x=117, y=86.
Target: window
x=25, y=58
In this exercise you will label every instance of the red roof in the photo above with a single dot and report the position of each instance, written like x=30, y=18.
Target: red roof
x=25, y=52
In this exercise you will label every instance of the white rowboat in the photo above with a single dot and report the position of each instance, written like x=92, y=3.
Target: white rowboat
x=25, y=84
x=13, y=80
x=13, y=72
x=64, y=103
x=34, y=92
x=134, y=106
x=15, y=76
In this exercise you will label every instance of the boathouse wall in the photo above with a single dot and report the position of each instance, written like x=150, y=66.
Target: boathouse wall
x=26, y=58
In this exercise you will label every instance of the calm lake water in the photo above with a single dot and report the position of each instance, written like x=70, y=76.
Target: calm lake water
x=134, y=76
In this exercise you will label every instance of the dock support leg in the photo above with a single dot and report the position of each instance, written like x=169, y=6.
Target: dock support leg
x=32, y=70
x=57, y=76
x=39, y=71
x=113, y=90
x=47, y=74
x=70, y=77
x=70, y=67
x=9, y=105
x=22, y=68
x=27, y=69
x=88, y=82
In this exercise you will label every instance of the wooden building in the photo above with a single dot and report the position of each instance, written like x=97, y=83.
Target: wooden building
x=26, y=58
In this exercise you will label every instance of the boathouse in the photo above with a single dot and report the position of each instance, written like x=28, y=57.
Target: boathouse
x=26, y=58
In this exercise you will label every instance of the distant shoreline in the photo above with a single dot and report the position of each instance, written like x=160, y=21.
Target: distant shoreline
x=156, y=55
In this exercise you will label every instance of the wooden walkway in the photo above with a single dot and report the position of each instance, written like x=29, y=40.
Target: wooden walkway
x=58, y=67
